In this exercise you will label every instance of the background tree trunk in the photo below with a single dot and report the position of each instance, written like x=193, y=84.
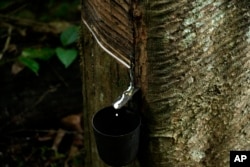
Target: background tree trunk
x=192, y=64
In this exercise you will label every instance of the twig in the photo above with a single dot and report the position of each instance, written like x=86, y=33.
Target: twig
x=7, y=42
x=59, y=77
x=10, y=134
x=40, y=99
x=35, y=25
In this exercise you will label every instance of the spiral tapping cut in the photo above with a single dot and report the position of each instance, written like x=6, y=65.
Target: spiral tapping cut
x=127, y=94
x=123, y=62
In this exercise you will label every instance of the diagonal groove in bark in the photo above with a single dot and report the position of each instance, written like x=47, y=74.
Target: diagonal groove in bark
x=192, y=63
x=112, y=23
x=201, y=81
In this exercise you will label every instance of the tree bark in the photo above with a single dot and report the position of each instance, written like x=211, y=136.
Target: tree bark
x=192, y=64
x=103, y=80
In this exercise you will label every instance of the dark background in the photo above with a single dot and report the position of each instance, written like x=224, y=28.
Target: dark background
x=34, y=108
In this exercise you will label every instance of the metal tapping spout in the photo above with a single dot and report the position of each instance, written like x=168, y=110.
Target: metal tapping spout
x=125, y=97
x=131, y=90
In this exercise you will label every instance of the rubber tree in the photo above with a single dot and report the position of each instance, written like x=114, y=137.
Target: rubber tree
x=192, y=64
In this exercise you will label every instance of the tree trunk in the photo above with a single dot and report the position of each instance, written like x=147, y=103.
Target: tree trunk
x=192, y=64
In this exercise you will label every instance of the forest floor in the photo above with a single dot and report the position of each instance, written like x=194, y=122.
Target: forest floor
x=40, y=84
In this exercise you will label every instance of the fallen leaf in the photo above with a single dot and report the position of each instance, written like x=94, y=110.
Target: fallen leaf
x=58, y=139
x=16, y=68
x=73, y=122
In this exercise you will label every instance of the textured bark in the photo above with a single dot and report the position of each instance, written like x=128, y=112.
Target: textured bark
x=111, y=22
x=103, y=81
x=197, y=76
x=103, y=78
x=192, y=64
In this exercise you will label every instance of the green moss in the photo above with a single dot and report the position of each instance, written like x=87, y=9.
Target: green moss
x=188, y=40
x=248, y=36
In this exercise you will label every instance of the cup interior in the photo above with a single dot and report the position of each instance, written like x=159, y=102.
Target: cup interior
x=115, y=122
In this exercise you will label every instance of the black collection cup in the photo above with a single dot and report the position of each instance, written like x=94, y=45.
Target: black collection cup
x=117, y=134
